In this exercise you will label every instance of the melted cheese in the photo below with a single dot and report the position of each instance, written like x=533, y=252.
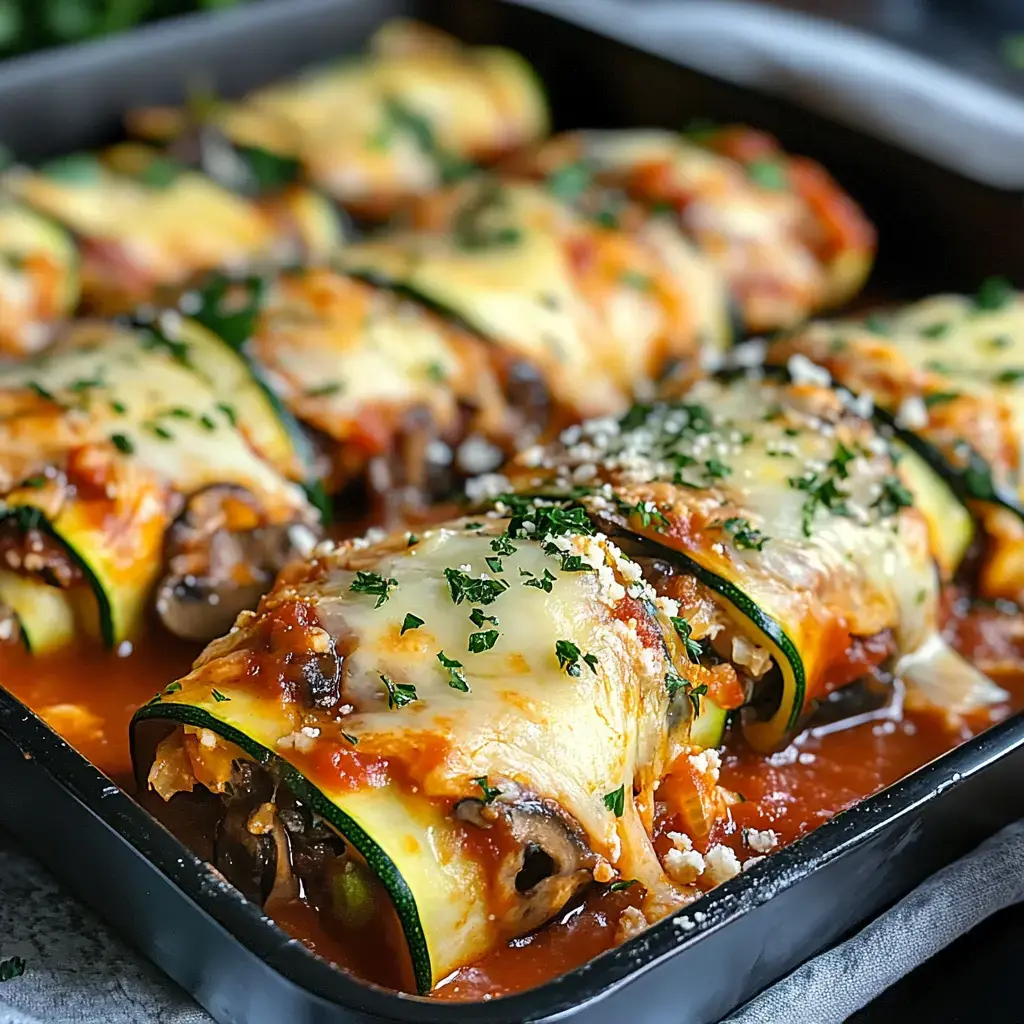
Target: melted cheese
x=351, y=126
x=165, y=233
x=105, y=437
x=762, y=238
x=335, y=347
x=599, y=311
x=517, y=716
x=780, y=492
x=952, y=373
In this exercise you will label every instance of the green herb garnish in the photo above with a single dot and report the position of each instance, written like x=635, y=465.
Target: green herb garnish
x=375, y=584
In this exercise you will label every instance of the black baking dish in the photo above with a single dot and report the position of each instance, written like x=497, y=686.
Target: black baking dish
x=938, y=230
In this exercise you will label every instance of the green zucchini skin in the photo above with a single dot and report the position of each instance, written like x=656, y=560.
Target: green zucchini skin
x=376, y=859
x=30, y=518
x=234, y=329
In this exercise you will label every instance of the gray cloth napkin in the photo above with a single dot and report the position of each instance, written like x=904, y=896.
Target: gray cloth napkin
x=77, y=972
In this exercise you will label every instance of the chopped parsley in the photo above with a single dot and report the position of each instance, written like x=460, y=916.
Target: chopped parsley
x=118, y=408
x=436, y=372
x=332, y=387
x=633, y=279
x=939, y=397
x=569, y=657
x=615, y=801
x=157, y=430
x=475, y=589
x=716, y=469
x=570, y=181
x=410, y=622
x=207, y=423
x=540, y=582
x=86, y=384
x=675, y=683
x=411, y=539
x=348, y=736
x=1010, y=377
x=894, y=496
x=622, y=885
x=503, y=545
x=744, y=536
x=648, y=513
x=218, y=696
x=35, y=482
x=822, y=492
x=490, y=792
x=685, y=631
x=574, y=563
x=769, y=174
x=548, y=521
x=229, y=412
x=936, y=330
x=122, y=443
x=456, y=677
x=876, y=324
x=399, y=694
x=494, y=564
x=469, y=230
x=841, y=459
x=375, y=584
x=37, y=389
x=480, y=642
x=994, y=293
x=478, y=618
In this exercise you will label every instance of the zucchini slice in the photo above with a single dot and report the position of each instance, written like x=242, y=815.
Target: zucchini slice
x=783, y=503
x=947, y=376
x=46, y=615
x=483, y=668
x=601, y=312
x=777, y=230
x=39, y=278
x=126, y=427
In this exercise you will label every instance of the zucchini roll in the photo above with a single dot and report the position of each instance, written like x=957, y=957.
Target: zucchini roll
x=791, y=512
x=39, y=278
x=946, y=374
x=786, y=238
x=141, y=465
x=470, y=723
x=143, y=222
x=374, y=131
x=601, y=312
x=400, y=401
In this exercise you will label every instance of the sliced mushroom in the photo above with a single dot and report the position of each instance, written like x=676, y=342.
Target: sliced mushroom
x=221, y=558
x=247, y=859
x=546, y=860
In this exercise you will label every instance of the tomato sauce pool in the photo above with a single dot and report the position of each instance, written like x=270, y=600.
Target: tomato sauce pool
x=88, y=696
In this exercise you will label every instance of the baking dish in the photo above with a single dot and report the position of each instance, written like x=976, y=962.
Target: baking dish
x=199, y=929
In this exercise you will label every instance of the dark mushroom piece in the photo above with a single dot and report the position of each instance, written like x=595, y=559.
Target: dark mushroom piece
x=216, y=569
x=546, y=860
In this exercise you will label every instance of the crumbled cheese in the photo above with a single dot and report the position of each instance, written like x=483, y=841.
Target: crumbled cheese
x=668, y=606
x=604, y=872
x=751, y=861
x=631, y=922
x=207, y=738
x=680, y=840
x=803, y=371
x=487, y=487
x=750, y=353
x=439, y=453
x=721, y=864
x=477, y=455
x=912, y=413
x=707, y=762
x=684, y=866
x=762, y=841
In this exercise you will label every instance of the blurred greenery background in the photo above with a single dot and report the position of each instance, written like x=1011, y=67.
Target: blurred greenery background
x=33, y=24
